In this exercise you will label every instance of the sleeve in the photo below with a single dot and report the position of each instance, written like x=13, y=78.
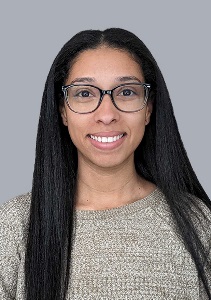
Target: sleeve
x=9, y=258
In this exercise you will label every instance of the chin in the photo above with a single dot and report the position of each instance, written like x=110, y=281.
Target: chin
x=110, y=163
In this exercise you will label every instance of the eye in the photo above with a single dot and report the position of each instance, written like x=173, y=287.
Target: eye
x=127, y=92
x=83, y=93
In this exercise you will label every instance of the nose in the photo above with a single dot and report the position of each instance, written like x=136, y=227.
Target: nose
x=107, y=113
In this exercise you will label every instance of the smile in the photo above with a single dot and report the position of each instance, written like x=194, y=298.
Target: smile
x=104, y=139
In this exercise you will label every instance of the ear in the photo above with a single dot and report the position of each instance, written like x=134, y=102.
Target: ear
x=148, y=112
x=63, y=114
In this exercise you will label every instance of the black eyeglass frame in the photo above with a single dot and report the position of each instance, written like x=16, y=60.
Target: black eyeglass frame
x=107, y=92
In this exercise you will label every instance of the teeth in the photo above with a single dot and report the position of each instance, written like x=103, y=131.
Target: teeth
x=104, y=139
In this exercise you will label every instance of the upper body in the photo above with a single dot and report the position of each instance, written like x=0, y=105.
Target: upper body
x=129, y=252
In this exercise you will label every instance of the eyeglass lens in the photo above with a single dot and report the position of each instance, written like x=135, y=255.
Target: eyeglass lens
x=85, y=98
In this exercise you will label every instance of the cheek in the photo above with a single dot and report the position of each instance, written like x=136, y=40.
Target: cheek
x=138, y=129
x=137, y=122
x=73, y=132
x=76, y=129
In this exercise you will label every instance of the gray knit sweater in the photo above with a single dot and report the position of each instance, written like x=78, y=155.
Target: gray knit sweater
x=129, y=252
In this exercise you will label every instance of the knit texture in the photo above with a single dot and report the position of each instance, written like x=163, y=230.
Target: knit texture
x=129, y=252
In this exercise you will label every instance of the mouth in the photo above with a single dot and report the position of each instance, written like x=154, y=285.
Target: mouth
x=106, y=139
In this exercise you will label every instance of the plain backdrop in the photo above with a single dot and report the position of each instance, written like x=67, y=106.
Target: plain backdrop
x=32, y=33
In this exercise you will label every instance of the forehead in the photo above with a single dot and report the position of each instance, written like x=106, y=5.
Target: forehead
x=104, y=62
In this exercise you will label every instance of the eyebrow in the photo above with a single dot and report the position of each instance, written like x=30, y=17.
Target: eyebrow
x=84, y=79
x=128, y=78
x=92, y=79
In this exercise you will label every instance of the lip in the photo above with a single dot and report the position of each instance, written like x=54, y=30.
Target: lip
x=107, y=145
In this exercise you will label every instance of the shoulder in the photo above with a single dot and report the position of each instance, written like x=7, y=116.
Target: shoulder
x=201, y=216
x=14, y=214
x=13, y=233
x=196, y=212
x=200, y=208
x=16, y=208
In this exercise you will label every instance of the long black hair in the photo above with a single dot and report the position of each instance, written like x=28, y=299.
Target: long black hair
x=160, y=158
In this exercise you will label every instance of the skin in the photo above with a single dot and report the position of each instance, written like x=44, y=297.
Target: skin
x=107, y=171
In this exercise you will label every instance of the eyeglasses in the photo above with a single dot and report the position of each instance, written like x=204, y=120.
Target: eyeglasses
x=86, y=98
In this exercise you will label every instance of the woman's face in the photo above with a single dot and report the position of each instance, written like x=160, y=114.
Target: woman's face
x=105, y=68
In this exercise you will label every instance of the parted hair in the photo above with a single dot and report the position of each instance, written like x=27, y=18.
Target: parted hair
x=160, y=158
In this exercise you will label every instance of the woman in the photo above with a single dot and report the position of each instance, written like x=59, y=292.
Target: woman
x=116, y=211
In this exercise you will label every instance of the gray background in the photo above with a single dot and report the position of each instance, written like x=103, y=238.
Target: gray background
x=32, y=33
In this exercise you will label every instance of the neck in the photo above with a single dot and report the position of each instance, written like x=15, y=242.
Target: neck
x=104, y=188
